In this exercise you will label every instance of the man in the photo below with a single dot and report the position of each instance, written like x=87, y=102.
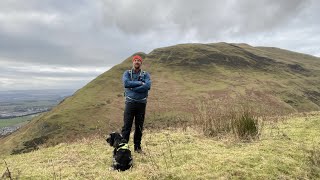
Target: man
x=137, y=83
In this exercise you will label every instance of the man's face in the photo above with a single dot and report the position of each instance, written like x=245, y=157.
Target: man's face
x=136, y=64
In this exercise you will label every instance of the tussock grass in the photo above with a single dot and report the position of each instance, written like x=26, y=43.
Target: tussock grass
x=314, y=161
x=245, y=126
x=224, y=117
x=184, y=154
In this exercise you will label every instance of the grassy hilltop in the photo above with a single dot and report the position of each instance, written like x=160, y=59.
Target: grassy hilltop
x=281, y=81
x=288, y=149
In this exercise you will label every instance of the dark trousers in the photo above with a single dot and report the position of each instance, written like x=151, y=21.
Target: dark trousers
x=134, y=111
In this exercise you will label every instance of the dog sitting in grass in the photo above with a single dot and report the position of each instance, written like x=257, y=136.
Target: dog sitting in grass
x=122, y=159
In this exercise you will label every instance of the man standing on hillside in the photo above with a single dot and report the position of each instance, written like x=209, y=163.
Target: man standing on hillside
x=137, y=83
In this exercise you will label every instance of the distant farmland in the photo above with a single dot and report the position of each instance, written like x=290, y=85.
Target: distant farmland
x=15, y=121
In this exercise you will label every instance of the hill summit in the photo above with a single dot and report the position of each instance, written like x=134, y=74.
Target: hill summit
x=182, y=76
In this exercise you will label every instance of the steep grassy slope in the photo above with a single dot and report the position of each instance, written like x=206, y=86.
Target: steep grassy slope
x=280, y=80
x=286, y=150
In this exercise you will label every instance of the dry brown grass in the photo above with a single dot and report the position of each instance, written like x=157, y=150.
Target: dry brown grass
x=238, y=116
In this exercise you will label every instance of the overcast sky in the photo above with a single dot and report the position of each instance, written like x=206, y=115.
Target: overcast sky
x=65, y=44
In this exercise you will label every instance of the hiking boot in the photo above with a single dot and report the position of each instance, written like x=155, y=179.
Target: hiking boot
x=138, y=149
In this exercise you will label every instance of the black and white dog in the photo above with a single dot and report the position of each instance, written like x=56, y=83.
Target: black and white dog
x=122, y=159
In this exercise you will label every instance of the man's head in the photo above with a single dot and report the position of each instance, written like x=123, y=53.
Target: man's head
x=137, y=61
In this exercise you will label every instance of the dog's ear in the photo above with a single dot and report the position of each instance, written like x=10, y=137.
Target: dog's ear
x=110, y=139
x=117, y=139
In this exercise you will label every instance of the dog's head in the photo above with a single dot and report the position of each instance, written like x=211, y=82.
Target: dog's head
x=114, y=139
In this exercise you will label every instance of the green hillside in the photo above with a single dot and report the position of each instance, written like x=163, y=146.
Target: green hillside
x=288, y=149
x=281, y=81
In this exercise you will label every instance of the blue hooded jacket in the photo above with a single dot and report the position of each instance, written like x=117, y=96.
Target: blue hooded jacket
x=135, y=91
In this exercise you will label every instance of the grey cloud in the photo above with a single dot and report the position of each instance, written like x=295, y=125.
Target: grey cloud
x=47, y=51
x=74, y=38
x=17, y=83
x=206, y=18
x=179, y=21
x=30, y=49
x=102, y=33
x=29, y=76
x=11, y=72
x=44, y=5
x=256, y=16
